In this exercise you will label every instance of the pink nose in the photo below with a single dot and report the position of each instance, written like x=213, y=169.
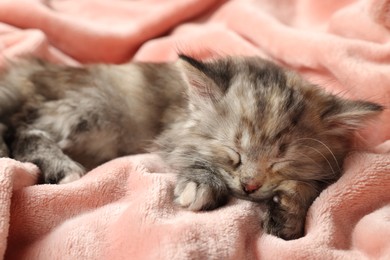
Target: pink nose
x=250, y=187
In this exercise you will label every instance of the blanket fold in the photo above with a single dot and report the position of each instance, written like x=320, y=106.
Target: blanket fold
x=124, y=208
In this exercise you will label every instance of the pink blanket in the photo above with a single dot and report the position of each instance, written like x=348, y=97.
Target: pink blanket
x=124, y=209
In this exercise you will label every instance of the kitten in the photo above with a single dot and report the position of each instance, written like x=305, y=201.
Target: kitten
x=238, y=126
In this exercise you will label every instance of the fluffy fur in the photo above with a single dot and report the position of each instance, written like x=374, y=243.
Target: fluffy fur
x=237, y=126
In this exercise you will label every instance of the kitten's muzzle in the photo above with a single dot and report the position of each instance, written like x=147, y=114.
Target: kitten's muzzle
x=250, y=187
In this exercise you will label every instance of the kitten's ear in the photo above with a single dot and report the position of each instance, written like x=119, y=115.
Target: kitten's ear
x=200, y=76
x=349, y=114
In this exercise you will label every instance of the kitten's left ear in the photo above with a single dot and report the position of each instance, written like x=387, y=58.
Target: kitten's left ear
x=349, y=114
x=201, y=78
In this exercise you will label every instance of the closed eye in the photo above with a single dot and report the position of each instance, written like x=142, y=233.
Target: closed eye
x=276, y=166
x=234, y=157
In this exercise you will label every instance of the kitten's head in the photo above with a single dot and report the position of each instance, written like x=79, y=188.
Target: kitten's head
x=257, y=125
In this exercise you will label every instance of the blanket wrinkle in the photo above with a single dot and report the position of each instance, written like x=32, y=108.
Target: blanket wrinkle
x=14, y=176
x=113, y=39
x=124, y=208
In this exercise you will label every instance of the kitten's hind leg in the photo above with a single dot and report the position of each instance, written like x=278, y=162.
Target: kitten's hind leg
x=200, y=189
x=36, y=146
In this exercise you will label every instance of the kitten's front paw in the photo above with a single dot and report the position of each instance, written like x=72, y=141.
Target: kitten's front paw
x=284, y=219
x=62, y=172
x=195, y=196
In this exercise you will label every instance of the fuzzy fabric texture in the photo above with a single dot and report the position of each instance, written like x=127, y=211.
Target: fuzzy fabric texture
x=123, y=209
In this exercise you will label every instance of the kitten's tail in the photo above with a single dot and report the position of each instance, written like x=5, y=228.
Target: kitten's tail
x=15, y=84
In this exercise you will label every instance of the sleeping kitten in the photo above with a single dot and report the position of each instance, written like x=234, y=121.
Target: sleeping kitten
x=237, y=126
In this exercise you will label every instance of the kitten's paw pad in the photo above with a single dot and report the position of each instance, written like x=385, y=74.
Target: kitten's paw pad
x=194, y=196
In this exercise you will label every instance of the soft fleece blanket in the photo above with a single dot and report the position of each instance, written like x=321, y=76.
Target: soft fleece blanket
x=123, y=209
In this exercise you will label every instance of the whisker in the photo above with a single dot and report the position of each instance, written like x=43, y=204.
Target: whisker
x=318, y=151
x=302, y=154
x=327, y=147
x=315, y=162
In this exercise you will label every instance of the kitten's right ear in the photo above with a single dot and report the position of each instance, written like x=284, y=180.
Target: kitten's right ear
x=198, y=75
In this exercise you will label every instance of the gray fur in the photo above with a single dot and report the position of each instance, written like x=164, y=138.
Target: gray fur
x=237, y=126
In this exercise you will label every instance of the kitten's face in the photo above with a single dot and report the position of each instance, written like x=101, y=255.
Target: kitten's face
x=258, y=126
